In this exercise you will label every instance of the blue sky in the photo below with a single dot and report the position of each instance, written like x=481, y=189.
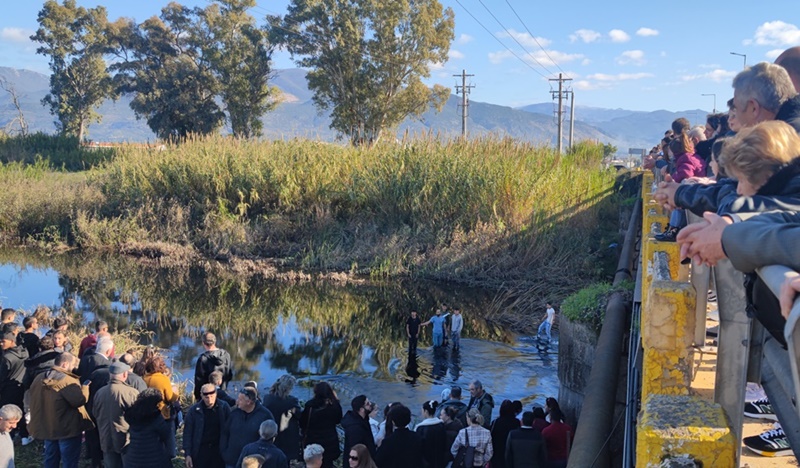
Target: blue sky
x=621, y=54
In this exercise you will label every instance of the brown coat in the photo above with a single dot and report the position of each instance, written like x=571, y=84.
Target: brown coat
x=57, y=402
x=161, y=382
x=108, y=407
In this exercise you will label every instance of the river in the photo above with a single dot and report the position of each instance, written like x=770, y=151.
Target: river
x=349, y=334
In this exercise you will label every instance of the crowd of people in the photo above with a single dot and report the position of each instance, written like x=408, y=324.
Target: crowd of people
x=741, y=174
x=124, y=409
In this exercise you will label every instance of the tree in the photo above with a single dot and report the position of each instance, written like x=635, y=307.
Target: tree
x=368, y=58
x=161, y=62
x=240, y=56
x=9, y=88
x=73, y=39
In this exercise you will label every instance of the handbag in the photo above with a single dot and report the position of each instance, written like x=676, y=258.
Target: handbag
x=465, y=457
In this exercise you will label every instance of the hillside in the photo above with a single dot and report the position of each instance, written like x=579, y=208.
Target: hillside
x=297, y=117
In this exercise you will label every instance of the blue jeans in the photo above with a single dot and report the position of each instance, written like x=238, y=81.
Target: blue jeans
x=66, y=451
x=456, y=336
x=546, y=326
x=438, y=338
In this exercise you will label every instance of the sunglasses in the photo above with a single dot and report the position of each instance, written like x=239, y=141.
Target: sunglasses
x=353, y=458
x=209, y=393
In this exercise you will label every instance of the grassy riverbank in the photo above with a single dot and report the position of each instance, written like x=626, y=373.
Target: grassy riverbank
x=488, y=212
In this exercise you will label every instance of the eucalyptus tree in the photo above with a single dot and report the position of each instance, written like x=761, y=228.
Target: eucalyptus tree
x=367, y=58
x=162, y=64
x=240, y=56
x=73, y=38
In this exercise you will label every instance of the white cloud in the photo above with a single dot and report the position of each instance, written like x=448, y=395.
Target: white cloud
x=465, y=39
x=618, y=35
x=719, y=76
x=775, y=33
x=436, y=66
x=17, y=35
x=774, y=53
x=585, y=62
x=647, y=32
x=455, y=54
x=709, y=65
x=619, y=76
x=634, y=57
x=586, y=85
x=584, y=35
x=526, y=39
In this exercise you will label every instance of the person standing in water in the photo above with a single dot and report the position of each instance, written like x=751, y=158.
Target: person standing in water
x=412, y=330
x=438, y=322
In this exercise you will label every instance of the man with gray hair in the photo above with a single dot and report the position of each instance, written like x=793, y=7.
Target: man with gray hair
x=312, y=455
x=482, y=401
x=273, y=456
x=10, y=415
x=108, y=408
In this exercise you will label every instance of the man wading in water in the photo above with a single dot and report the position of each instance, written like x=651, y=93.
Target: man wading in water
x=438, y=322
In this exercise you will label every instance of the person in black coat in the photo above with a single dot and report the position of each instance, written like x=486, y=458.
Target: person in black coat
x=213, y=359
x=452, y=426
x=318, y=422
x=28, y=338
x=356, y=427
x=40, y=362
x=402, y=448
x=205, y=421
x=286, y=410
x=525, y=447
x=434, y=437
x=243, y=425
x=501, y=426
x=151, y=439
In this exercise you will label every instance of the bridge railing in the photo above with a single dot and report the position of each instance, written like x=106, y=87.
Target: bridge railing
x=673, y=422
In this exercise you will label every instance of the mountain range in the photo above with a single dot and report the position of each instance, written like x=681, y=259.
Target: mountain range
x=296, y=116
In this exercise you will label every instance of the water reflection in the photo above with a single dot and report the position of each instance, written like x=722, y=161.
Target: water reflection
x=352, y=332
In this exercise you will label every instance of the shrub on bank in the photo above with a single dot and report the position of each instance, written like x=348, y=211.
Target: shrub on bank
x=59, y=152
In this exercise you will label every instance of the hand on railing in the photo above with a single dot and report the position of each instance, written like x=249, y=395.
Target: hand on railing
x=789, y=290
x=665, y=193
x=702, y=241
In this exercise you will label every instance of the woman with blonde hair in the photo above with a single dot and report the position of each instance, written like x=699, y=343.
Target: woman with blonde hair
x=474, y=435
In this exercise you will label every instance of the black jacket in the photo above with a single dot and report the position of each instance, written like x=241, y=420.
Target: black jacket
x=356, y=431
x=30, y=341
x=500, y=429
x=401, y=449
x=193, y=426
x=151, y=439
x=434, y=443
x=41, y=362
x=790, y=112
x=318, y=422
x=12, y=373
x=451, y=429
x=460, y=406
x=90, y=361
x=240, y=430
x=208, y=362
x=525, y=448
x=287, y=440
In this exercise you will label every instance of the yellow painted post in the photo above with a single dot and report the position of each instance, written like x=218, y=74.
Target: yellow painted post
x=672, y=426
x=667, y=338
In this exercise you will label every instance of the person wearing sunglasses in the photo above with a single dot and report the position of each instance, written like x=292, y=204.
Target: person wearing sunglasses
x=360, y=458
x=203, y=428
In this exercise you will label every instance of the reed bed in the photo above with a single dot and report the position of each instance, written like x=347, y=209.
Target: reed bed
x=488, y=211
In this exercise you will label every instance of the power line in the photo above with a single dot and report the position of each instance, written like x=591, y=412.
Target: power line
x=514, y=38
x=534, y=38
x=498, y=40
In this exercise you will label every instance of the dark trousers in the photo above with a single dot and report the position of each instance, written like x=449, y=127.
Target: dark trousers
x=412, y=344
x=208, y=456
x=93, y=450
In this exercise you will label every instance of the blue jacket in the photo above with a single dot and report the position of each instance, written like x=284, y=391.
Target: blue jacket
x=274, y=457
x=240, y=430
x=193, y=429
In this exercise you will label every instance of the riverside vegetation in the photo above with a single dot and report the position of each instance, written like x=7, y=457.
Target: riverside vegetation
x=489, y=212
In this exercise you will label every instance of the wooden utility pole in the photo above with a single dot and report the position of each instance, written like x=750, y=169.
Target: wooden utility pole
x=560, y=111
x=464, y=90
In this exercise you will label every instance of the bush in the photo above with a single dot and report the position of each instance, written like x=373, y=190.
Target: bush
x=588, y=305
x=59, y=152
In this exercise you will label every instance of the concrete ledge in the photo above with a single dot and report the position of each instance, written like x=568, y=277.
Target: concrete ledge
x=667, y=338
x=683, y=427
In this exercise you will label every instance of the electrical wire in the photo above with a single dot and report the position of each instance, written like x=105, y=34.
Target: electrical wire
x=534, y=38
x=501, y=42
x=515, y=39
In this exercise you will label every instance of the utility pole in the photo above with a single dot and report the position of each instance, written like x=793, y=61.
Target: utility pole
x=561, y=81
x=464, y=90
x=571, y=117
